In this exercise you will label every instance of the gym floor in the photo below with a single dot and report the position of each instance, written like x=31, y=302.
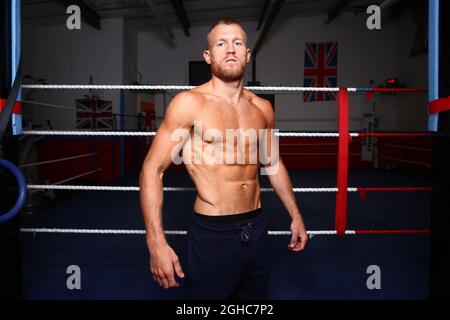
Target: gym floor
x=331, y=267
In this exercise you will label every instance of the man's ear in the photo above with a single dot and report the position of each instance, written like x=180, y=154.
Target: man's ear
x=207, y=56
x=249, y=54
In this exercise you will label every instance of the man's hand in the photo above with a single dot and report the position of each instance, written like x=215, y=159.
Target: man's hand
x=163, y=262
x=299, y=235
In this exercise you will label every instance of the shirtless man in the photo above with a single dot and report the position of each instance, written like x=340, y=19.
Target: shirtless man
x=225, y=255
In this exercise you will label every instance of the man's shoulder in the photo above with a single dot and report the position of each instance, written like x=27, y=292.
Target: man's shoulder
x=188, y=96
x=262, y=103
x=184, y=107
x=186, y=99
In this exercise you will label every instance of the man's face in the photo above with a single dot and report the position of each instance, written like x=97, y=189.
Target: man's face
x=227, y=52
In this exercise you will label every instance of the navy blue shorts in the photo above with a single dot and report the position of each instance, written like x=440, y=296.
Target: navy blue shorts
x=227, y=259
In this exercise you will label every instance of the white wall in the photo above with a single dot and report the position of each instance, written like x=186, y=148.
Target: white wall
x=363, y=55
x=62, y=56
x=116, y=55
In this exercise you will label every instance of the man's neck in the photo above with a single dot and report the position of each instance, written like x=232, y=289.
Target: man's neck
x=229, y=90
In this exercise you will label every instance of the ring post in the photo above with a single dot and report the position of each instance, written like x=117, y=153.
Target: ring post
x=342, y=165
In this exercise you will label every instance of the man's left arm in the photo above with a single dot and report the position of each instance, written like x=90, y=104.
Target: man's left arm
x=281, y=184
x=279, y=179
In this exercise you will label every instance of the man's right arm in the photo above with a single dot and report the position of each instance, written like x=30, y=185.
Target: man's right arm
x=179, y=116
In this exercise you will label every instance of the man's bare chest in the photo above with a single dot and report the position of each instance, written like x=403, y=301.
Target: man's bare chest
x=223, y=118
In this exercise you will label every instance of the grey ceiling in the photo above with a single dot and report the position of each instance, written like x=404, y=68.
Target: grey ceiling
x=151, y=14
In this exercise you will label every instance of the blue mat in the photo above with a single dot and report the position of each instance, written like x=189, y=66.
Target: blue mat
x=116, y=266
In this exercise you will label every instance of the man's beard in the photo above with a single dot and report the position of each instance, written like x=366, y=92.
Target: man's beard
x=228, y=74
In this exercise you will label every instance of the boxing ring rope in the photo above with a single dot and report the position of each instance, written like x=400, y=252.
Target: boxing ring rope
x=84, y=155
x=343, y=135
x=26, y=165
x=401, y=158
x=252, y=88
x=178, y=189
x=408, y=147
x=407, y=161
x=279, y=134
x=361, y=190
x=35, y=190
x=184, y=232
x=55, y=106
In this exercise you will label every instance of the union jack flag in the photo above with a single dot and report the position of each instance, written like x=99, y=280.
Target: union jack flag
x=94, y=114
x=320, y=70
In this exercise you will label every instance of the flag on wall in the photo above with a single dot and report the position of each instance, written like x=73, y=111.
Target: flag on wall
x=320, y=70
x=94, y=114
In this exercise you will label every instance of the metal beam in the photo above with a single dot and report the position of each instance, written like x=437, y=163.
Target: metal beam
x=88, y=15
x=337, y=10
x=182, y=15
x=162, y=21
x=397, y=7
x=263, y=14
x=388, y=3
x=270, y=19
x=124, y=11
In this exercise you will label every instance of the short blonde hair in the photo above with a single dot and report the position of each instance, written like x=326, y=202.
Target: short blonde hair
x=225, y=21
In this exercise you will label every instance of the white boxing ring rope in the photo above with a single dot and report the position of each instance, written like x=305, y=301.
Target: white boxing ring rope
x=168, y=232
x=176, y=87
x=141, y=134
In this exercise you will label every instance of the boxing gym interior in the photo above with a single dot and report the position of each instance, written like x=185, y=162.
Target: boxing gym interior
x=85, y=86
